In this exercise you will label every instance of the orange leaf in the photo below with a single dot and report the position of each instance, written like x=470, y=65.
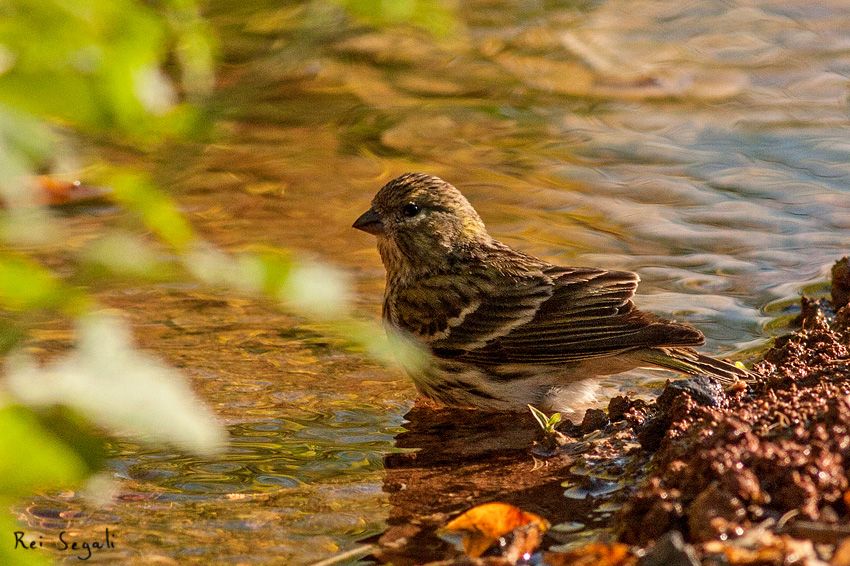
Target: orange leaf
x=53, y=192
x=482, y=526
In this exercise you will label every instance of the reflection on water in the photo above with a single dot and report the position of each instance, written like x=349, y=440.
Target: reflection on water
x=702, y=144
x=292, y=489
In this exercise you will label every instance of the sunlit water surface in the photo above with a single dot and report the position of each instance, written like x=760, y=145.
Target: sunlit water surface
x=703, y=144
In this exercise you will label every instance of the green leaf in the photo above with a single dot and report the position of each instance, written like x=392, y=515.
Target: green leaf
x=32, y=457
x=76, y=432
x=195, y=46
x=431, y=15
x=156, y=209
x=98, y=64
x=546, y=423
x=276, y=266
x=25, y=285
x=539, y=416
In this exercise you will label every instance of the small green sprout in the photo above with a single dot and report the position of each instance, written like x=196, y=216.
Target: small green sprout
x=546, y=423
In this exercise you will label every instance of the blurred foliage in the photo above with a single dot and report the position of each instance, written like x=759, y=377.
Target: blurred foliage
x=42, y=458
x=432, y=15
x=98, y=64
x=128, y=73
x=147, y=398
x=24, y=285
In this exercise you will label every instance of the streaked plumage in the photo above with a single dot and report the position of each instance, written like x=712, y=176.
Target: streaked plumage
x=507, y=329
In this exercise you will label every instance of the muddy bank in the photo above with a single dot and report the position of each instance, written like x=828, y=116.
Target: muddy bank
x=754, y=474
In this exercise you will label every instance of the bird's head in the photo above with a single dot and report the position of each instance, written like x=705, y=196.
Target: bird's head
x=421, y=222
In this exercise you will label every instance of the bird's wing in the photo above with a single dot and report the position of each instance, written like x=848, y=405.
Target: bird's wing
x=464, y=313
x=558, y=315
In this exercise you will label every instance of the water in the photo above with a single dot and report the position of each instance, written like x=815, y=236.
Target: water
x=701, y=144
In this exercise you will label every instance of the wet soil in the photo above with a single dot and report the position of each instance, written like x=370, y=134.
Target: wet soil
x=754, y=474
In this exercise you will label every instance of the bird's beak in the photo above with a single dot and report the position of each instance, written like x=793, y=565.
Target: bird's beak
x=370, y=222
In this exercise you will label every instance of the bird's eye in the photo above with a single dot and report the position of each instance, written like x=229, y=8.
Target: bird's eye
x=410, y=210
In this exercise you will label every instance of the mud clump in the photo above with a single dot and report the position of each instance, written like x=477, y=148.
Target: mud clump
x=726, y=462
x=841, y=283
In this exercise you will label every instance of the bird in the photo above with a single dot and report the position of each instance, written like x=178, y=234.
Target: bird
x=506, y=329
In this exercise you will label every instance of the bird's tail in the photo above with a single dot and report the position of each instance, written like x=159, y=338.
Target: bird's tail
x=688, y=361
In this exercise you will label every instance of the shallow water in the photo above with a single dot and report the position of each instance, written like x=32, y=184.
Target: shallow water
x=702, y=144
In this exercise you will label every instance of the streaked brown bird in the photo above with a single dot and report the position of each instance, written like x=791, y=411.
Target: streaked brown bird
x=507, y=329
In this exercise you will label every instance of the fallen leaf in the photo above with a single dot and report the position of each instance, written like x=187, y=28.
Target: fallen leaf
x=54, y=192
x=482, y=526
